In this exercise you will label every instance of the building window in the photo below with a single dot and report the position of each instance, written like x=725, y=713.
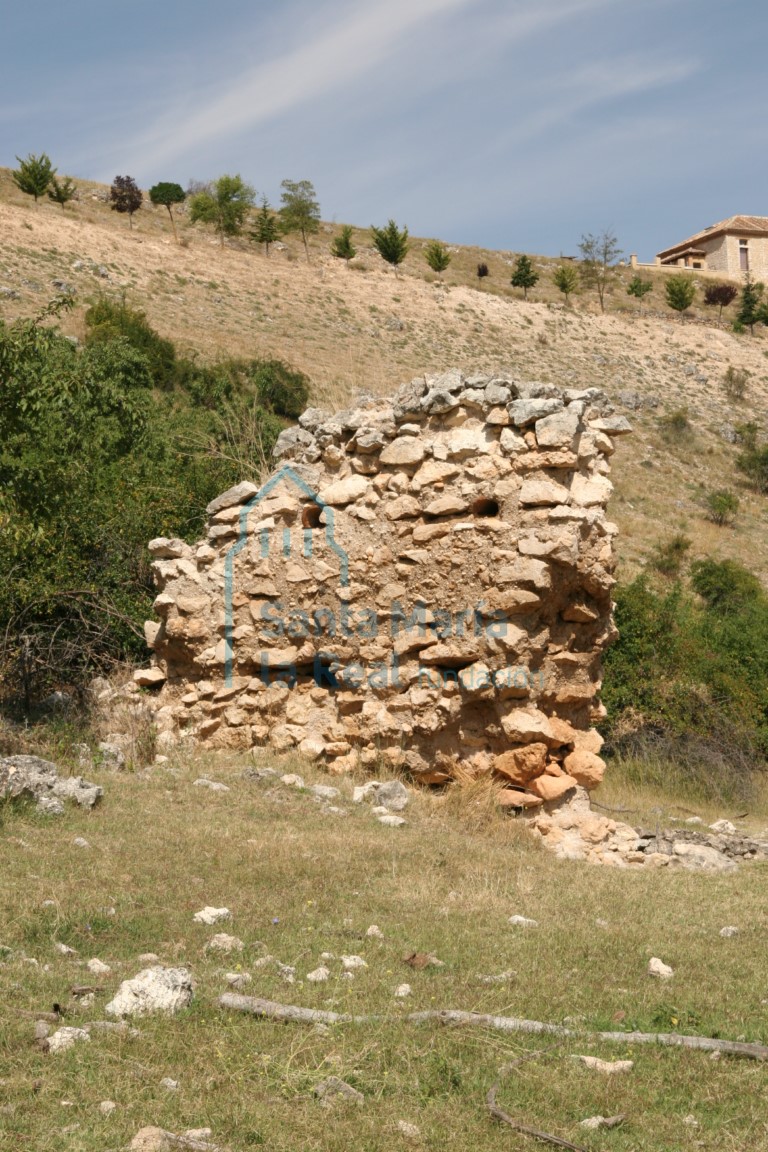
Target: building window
x=744, y=255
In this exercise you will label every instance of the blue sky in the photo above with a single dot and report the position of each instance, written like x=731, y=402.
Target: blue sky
x=516, y=124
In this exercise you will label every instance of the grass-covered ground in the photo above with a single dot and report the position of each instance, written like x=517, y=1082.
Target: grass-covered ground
x=299, y=882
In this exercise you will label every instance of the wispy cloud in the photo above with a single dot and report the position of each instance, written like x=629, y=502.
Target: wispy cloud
x=352, y=45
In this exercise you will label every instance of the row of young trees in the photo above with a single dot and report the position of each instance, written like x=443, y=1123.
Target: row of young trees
x=227, y=205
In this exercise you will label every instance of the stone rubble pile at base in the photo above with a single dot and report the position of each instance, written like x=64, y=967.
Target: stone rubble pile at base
x=424, y=582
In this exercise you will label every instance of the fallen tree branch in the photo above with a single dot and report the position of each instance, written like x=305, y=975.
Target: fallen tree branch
x=291, y=1013
x=499, y=1114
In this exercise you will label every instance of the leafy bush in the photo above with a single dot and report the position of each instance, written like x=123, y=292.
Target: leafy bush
x=566, y=278
x=482, y=271
x=437, y=256
x=753, y=461
x=638, y=287
x=281, y=389
x=735, y=382
x=680, y=291
x=722, y=506
x=668, y=557
x=686, y=682
x=675, y=425
x=107, y=320
x=720, y=296
x=104, y=447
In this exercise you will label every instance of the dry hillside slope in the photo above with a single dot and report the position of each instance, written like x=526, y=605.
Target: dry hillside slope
x=363, y=328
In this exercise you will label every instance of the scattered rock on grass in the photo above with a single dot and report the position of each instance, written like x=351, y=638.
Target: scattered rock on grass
x=523, y=922
x=606, y=1067
x=375, y=932
x=724, y=827
x=334, y=1086
x=210, y=915
x=592, y=1123
x=98, y=967
x=393, y=795
x=728, y=931
x=153, y=990
x=211, y=785
x=221, y=942
x=37, y=778
x=410, y=1131
x=403, y=991
x=319, y=975
x=238, y=979
x=659, y=969
x=66, y=1038
x=107, y=1107
x=350, y=963
x=391, y=821
x=325, y=792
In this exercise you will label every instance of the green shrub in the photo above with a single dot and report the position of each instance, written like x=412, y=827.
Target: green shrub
x=735, y=382
x=722, y=506
x=281, y=389
x=96, y=460
x=108, y=319
x=753, y=462
x=668, y=557
x=675, y=425
x=686, y=684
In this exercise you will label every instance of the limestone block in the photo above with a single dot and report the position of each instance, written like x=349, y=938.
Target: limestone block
x=558, y=430
x=552, y=787
x=403, y=508
x=536, y=493
x=405, y=452
x=344, y=492
x=527, y=726
x=588, y=491
x=525, y=412
x=523, y=764
x=586, y=768
x=240, y=494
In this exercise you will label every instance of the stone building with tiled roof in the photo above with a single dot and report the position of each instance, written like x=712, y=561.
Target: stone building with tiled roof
x=733, y=247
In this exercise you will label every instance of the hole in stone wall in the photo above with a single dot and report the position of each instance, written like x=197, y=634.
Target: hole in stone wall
x=485, y=507
x=310, y=516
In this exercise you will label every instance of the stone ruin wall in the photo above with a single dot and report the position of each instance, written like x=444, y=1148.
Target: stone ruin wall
x=424, y=581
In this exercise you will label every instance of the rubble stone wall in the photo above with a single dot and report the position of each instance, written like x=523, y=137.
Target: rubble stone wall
x=424, y=580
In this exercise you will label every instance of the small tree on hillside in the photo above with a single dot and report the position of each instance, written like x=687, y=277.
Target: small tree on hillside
x=225, y=204
x=125, y=196
x=33, y=175
x=391, y=243
x=62, y=191
x=167, y=195
x=524, y=275
x=680, y=291
x=639, y=288
x=750, y=304
x=267, y=227
x=566, y=278
x=598, y=256
x=300, y=210
x=342, y=246
x=482, y=271
x=720, y=296
x=437, y=256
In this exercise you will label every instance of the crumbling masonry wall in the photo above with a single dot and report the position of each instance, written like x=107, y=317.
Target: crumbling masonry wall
x=424, y=580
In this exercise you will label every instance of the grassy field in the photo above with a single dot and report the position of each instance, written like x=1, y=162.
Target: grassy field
x=301, y=881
